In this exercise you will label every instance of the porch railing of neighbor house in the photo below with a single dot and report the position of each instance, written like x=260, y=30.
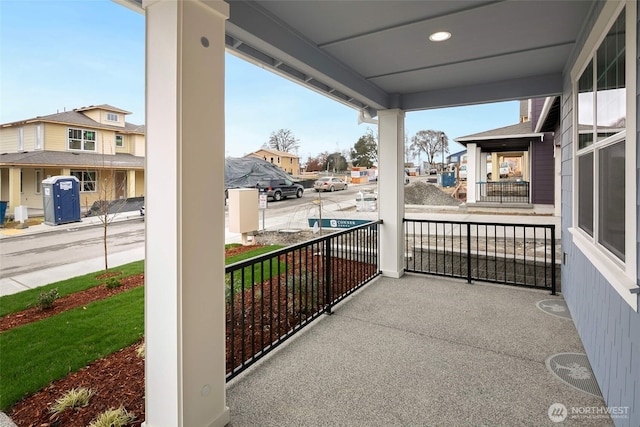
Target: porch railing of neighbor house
x=503, y=192
x=271, y=297
x=513, y=254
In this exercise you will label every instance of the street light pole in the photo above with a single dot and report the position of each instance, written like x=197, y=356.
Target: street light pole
x=442, y=146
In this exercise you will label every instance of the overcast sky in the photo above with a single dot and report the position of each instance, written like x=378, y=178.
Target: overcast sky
x=57, y=55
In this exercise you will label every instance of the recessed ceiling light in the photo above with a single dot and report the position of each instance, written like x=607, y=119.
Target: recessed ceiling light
x=440, y=36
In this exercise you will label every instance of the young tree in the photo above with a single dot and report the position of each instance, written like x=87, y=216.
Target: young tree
x=365, y=151
x=284, y=140
x=431, y=143
x=106, y=208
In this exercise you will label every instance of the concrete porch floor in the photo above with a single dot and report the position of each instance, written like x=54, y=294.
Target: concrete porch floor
x=418, y=351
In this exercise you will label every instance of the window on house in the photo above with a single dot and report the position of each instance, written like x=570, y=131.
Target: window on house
x=601, y=112
x=81, y=139
x=119, y=141
x=38, y=141
x=38, y=179
x=20, y=139
x=87, y=180
x=21, y=182
x=112, y=117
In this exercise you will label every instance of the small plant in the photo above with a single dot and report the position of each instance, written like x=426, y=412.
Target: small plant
x=113, y=283
x=74, y=398
x=113, y=418
x=46, y=299
x=141, y=350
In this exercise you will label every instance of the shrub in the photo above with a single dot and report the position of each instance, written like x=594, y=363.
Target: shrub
x=113, y=283
x=141, y=350
x=46, y=299
x=74, y=398
x=113, y=418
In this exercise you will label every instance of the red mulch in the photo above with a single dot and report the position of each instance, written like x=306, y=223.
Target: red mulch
x=118, y=379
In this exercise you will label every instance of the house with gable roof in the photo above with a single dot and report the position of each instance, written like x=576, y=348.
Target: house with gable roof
x=95, y=144
x=516, y=163
x=290, y=163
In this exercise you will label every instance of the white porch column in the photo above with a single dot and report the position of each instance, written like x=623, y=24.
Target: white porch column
x=391, y=191
x=472, y=172
x=15, y=197
x=184, y=270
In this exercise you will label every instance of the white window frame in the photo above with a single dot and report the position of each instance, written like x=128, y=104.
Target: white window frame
x=38, y=138
x=121, y=140
x=621, y=275
x=38, y=180
x=82, y=179
x=113, y=117
x=82, y=140
x=20, y=139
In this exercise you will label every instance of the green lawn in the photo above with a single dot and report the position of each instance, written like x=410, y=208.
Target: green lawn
x=22, y=300
x=35, y=354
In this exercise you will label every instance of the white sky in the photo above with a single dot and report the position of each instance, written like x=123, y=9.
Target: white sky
x=57, y=55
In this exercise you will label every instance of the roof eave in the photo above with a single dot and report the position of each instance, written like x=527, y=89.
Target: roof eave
x=488, y=138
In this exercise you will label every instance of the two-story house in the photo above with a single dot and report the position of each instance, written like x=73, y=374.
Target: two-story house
x=94, y=144
x=290, y=163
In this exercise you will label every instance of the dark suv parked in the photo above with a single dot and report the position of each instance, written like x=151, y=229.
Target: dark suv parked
x=279, y=188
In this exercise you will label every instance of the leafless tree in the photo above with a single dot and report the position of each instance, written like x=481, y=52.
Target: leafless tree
x=284, y=140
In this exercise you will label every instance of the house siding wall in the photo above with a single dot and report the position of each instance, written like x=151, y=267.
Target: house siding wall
x=608, y=327
x=55, y=137
x=28, y=196
x=8, y=140
x=536, y=109
x=542, y=171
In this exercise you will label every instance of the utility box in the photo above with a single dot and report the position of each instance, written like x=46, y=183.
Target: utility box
x=61, y=200
x=243, y=211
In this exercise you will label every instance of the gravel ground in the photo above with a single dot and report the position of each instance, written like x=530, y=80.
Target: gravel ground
x=421, y=193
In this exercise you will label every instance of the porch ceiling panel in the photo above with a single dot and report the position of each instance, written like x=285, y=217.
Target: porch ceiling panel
x=377, y=53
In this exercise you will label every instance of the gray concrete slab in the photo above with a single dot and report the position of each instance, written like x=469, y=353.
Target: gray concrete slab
x=417, y=351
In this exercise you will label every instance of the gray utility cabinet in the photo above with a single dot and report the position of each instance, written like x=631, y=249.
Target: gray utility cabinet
x=61, y=202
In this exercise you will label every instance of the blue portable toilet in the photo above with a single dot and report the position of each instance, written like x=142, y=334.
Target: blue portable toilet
x=447, y=179
x=61, y=200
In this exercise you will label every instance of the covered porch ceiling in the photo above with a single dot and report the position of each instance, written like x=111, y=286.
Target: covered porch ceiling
x=374, y=55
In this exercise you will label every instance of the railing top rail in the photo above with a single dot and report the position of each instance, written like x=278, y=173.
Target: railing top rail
x=499, y=224
x=248, y=262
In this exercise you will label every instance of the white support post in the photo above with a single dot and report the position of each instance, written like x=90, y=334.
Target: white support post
x=391, y=191
x=473, y=172
x=184, y=270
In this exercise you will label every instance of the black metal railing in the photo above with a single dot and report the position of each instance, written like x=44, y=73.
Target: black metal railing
x=513, y=254
x=271, y=297
x=503, y=192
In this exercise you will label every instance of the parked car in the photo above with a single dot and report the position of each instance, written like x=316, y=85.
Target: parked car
x=280, y=188
x=329, y=183
x=406, y=177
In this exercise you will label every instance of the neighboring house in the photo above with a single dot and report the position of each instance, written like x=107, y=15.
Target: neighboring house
x=290, y=163
x=457, y=158
x=518, y=153
x=94, y=144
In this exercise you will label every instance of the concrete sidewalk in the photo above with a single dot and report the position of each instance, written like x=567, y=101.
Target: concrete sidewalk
x=418, y=351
